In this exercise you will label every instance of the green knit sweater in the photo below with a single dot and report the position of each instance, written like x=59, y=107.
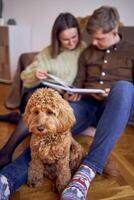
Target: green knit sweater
x=63, y=66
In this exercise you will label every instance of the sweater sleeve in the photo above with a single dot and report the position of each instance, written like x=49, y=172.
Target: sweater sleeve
x=28, y=75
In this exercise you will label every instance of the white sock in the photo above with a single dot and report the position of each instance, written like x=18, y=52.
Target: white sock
x=4, y=188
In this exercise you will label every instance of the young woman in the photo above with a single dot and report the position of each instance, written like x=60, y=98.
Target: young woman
x=59, y=59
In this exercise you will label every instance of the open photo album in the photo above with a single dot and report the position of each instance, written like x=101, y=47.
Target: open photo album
x=73, y=90
x=62, y=85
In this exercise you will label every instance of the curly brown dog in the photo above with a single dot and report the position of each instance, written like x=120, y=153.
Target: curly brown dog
x=54, y=152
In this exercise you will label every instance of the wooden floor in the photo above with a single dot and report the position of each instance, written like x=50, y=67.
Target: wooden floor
x=106, y=187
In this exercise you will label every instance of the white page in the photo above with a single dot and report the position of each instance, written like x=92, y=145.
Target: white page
x=73, y=90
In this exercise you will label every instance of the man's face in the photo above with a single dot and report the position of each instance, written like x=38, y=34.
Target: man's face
x=103, y=40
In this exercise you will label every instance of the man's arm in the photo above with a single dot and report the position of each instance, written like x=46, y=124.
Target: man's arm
x=79, y=80
x=81, y=74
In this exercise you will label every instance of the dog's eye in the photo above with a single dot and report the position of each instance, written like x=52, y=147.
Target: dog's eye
x=36, y=112
x=49, y=112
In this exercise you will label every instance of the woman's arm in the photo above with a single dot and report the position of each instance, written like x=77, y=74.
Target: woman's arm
x=36, y=71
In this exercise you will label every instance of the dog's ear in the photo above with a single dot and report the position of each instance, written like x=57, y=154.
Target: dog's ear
x=66, y=116
x=70, y=115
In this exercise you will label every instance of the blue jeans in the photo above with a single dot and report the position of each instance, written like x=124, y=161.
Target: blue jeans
x=87, y=113
x=17, y=171
x=110, y=116
x=111, y=124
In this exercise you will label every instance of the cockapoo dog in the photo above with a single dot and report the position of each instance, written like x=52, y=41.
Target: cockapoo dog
x=54, y=152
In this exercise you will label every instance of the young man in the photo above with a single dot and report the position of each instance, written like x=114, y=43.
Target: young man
x=108, y=63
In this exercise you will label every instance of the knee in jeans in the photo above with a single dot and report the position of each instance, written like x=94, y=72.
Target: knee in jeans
x=124, y=87
x=123, y=91
x=124, y=84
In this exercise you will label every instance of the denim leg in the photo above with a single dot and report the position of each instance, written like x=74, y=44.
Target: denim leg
x=84, y=111
x=131, y=118
x=17, y=171
x=112, y=123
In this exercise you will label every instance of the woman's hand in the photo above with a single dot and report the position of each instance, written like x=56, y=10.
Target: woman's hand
x=101, y=96
x=41, y=74
x=71, y=97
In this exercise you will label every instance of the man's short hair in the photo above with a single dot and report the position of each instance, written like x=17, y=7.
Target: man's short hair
x=105, y=18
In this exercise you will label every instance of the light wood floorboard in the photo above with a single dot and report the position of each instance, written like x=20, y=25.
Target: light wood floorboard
x=116, y=184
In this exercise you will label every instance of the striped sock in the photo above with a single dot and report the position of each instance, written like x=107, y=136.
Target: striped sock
x=78, y=187
x=4, y=188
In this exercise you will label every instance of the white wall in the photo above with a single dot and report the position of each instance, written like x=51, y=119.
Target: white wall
x=39, y=15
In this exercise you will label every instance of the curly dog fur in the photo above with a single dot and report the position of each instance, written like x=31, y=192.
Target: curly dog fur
x=54, y=152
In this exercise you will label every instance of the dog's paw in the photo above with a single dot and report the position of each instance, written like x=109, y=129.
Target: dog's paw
x=59, y=188
x=34, y=183
x=62, y=184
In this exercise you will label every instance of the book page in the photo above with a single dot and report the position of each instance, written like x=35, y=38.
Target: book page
x=73, y=90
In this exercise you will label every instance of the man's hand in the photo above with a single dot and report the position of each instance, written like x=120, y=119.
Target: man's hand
x=101, y=96
x=41, y=74
x=71, y=97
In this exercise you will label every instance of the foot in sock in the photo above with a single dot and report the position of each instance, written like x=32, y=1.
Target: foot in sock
x=12, y=117
x=78, y=187
x=4, y=188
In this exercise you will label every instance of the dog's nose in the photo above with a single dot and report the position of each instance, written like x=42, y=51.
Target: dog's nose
x=40, y=128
